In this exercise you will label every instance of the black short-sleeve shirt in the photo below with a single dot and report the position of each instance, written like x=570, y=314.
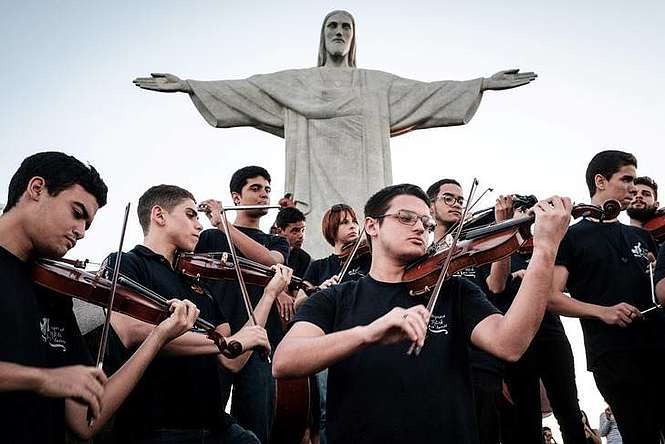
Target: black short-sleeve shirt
x=381, y=395
x=659, y=272
x=607, y=264
x=551, y=327
x=299, y=261
x=37, y=329
x=176, y=392
x=227, y=293
x=321, y=270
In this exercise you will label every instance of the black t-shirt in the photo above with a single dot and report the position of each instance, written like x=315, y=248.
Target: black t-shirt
x=659, y=272
x=607, y=265
x=227, y=293
x=321, y=270
x=551, y=327
x=175, y=392
x=37, y=329
x=381, y=395
x=299, y=261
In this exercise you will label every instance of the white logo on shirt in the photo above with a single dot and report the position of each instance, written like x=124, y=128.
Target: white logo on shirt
x=53, y=335
x=436, y=324
x=638, y=251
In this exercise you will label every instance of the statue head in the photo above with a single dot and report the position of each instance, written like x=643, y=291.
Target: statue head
x=338, y=37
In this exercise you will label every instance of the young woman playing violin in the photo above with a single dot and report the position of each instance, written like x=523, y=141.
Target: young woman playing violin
x=47, y=381
x=362, y=330
x=340, y=229
x=192, y=406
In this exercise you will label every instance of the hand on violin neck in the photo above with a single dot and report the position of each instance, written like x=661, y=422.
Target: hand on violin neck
x=503, y=208
x=280, y=281
x=183, y=316
x=552, y=220
x=399, y=325
x=213, y=210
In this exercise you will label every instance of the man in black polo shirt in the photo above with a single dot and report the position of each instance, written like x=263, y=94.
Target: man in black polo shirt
x=180, y=397
x=603, y=265
x=47, y=381
x=253, y=386
x=363, y=329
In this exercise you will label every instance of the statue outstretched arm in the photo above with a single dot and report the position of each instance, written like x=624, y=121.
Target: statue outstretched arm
x=511, y=78
x=163, y=82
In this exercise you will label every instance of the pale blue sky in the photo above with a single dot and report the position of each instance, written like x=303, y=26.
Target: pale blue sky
x=68, y=66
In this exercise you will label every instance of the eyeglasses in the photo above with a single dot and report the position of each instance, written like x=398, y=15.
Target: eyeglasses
x=410, y=218
x=451, y=200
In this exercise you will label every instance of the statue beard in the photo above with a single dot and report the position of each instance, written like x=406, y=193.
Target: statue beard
x=641, y=214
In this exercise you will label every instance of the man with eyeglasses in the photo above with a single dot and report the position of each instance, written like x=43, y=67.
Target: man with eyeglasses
x=446, y=206
x=362, y=330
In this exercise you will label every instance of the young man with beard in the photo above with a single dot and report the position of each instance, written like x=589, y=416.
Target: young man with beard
x=602, y=264
x=47, y=379
x=180, y=399
x=253, y=386
x=363, y=329
x=645, y=202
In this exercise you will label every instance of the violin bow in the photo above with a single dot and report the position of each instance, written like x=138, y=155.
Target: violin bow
x=415, y=349
x=347, y=264
x=234, y=345
x=653, y=293
x=109, y=310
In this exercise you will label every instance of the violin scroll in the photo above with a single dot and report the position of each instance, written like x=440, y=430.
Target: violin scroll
x=608, y=211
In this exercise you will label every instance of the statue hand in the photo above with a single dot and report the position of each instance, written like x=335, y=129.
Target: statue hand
x=162, y=83
x=511, y=78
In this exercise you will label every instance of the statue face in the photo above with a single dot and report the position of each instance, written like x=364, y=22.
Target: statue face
x=338, y=34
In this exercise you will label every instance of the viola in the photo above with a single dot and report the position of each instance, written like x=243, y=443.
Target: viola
x=656, y=225
x=291, y=395
x=486, y=245
x=67, y=278
x=221, y=266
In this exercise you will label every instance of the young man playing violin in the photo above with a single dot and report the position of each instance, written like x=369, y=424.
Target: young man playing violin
x=47, y=381
x=603, y=265
x=180, y=399
x=253, y=386
x=363, y=329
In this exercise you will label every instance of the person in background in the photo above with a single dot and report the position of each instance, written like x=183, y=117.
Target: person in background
x=608, y=427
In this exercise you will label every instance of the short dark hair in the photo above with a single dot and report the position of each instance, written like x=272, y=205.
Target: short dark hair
x=378, y=204
x=287, y=216
x=606, y=163
x=433, y=190
x=60, y=171
x=649, y=182
x=332, y=218
x=166, y=196
x=240, y=177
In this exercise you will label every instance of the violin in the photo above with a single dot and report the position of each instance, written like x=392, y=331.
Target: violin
x=347, y=249
x=485, y=217
x=656, y=225
x=221, y=266
x=486, y=245
x=67, y=278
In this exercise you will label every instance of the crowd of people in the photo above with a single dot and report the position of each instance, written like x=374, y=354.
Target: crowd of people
x=390, y=351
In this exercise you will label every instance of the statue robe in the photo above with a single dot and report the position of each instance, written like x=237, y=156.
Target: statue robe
x=337, y=124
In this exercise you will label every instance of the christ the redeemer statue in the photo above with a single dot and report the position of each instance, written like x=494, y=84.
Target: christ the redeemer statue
x=337, y=120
